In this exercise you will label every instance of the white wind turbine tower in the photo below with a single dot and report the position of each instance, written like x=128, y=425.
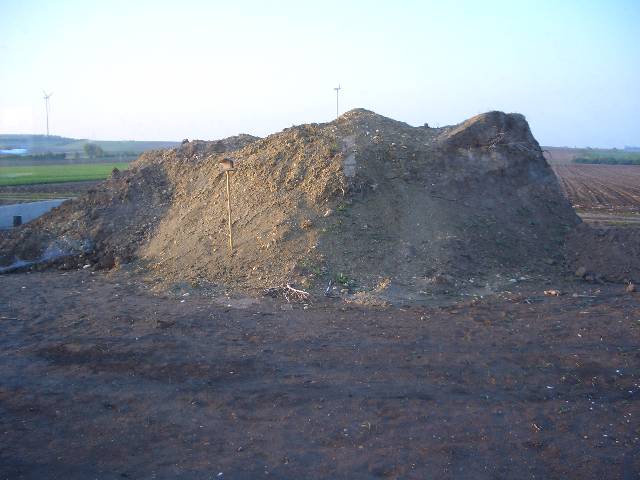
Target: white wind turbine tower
x=46, y=103
x=337, y=89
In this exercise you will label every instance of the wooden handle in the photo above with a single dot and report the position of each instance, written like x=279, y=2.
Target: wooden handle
x=229, y=211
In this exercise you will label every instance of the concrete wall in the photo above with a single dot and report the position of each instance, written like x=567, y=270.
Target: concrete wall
x=29, y=211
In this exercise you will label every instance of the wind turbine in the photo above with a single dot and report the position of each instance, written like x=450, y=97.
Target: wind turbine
x=46, y=103
x=337, y=89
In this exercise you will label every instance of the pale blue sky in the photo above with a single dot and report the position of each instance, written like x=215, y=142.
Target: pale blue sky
x=155, y=70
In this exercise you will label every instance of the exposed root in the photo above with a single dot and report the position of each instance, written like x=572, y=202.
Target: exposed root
x=288, y=293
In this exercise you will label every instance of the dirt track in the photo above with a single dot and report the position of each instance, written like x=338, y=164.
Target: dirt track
x=99, y=379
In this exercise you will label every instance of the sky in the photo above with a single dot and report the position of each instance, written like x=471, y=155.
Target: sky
x=167, y=70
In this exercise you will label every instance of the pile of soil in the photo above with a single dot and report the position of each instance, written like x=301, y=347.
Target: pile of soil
x=364, y=201
x=605, y=254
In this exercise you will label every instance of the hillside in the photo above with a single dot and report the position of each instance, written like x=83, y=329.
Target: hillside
x=40, y=144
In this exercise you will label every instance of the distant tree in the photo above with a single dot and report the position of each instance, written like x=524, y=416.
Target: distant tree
x=92, y=150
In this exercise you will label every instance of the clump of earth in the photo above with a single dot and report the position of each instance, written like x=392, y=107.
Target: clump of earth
x=363, y=203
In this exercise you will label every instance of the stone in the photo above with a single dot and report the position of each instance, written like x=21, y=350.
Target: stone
x=581, y=272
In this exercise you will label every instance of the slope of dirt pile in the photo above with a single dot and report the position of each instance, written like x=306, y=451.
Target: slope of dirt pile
x=365, y=201
x=110, y=222
x=605, y=254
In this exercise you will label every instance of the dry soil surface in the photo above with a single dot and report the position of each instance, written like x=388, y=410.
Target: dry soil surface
x=101, y=379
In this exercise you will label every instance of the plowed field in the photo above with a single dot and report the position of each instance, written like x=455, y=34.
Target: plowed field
x=601, y=188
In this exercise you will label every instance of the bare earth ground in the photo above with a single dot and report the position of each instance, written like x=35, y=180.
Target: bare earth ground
x=101, y=379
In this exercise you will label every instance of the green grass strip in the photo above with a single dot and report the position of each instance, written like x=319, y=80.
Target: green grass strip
x=57, y=173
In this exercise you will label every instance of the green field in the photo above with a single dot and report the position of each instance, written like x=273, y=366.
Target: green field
x=57, y=173
x=609, y=157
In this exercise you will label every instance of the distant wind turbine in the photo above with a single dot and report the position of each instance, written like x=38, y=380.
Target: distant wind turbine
x=46, y=103
x=337, y=89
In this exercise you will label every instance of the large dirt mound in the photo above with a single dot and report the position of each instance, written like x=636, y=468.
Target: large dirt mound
x=363, y=200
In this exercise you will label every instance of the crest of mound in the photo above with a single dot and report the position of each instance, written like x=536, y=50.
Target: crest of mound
x=488, y=129
x=361, y=200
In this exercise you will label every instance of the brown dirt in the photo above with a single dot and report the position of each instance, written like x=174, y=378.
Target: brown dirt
x=100, y=379
x=607, y=198
x=608, y=254
x=363, y=201
x=562, y=155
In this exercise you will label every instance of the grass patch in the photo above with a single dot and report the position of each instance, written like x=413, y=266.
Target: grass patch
x=345, y=281
x=57, y=173
x=609, y=157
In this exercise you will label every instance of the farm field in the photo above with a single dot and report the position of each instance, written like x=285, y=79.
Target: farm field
x=607, y=156
x=50, y=161
x=28, y=175
x=601, y=190
x=10, y=194
x=39, y=144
